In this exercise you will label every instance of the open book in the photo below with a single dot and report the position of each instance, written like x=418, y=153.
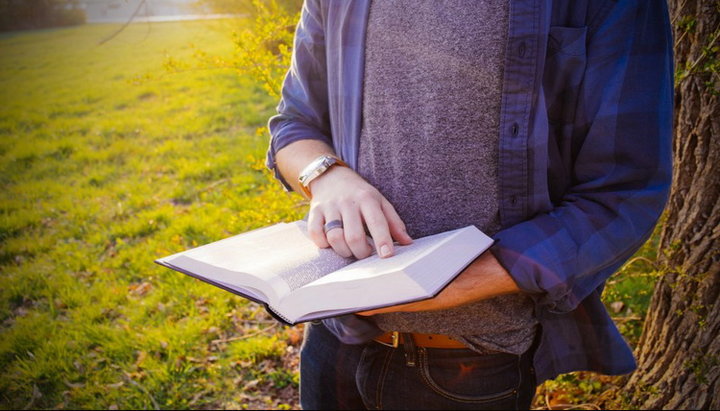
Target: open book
x=280, y=267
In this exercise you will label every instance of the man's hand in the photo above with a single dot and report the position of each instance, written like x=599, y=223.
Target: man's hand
x=341, y=194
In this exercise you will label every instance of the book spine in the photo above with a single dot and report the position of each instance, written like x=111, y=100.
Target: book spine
x=276, y=315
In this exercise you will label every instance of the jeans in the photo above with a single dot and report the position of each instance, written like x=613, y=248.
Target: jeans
x=374, y=376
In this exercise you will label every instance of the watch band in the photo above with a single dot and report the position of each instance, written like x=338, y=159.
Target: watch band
x=315, y=169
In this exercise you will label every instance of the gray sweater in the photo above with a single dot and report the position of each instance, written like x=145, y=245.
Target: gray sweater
x=429, y=143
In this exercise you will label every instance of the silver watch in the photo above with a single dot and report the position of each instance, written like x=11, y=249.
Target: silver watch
x=316, y=168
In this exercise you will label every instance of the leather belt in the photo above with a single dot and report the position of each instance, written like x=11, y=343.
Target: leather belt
x=394, y=338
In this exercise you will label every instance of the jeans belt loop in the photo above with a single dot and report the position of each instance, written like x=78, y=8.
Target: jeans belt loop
x=410, y=349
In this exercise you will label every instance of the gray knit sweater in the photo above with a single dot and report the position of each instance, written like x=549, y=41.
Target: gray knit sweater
x=429, y=142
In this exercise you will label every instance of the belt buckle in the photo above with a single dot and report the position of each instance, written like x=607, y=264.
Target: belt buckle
x=395, y=340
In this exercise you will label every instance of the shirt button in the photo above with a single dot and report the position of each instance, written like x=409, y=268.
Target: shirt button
x=521, y=49
x=513, y=200
x=515, y=129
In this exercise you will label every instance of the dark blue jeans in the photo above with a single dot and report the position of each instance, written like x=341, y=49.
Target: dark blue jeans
x=334, y=375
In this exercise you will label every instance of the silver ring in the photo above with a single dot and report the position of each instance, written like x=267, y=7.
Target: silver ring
x=333, y=224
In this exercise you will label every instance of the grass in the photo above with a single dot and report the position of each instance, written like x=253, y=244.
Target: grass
x=109, y=161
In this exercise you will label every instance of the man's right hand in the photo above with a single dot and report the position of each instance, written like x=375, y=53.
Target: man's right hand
x=342, y=194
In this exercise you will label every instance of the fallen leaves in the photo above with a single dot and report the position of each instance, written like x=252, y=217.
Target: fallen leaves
x=617, y=306
x=139, y=290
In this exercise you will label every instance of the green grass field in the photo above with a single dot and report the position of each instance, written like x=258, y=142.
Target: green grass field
x=108, y=161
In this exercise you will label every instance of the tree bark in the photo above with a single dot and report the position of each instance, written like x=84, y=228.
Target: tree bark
x=679, y=351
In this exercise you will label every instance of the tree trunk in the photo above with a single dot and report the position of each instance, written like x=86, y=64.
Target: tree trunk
x=679, y=352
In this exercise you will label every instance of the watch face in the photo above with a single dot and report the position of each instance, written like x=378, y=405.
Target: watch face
x=315, y=168
x=327, y=162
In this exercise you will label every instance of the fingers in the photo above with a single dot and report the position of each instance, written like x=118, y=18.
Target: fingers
x=354, y=231
x=336, y=236
x=341, y=194
x=316, y=220
x=383, y=224
x=396, y=225
x=377, y=224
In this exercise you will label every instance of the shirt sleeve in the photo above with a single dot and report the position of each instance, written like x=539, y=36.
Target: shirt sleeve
x=303, y=109
x=621, y=165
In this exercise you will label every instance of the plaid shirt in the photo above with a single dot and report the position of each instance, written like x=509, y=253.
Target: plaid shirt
x=584, y=154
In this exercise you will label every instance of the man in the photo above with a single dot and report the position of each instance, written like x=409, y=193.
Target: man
x=547, y=124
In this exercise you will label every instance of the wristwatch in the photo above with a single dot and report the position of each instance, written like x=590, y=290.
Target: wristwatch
x=315, y=169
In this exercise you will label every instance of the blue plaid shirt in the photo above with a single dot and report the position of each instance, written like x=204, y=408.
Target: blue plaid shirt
x=584, y=153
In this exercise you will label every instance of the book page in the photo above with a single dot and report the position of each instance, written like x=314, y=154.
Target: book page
x=296, y=273
x=374, y=266
x=282, y=257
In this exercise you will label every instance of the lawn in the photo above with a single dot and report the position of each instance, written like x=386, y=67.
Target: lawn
x=108, y=161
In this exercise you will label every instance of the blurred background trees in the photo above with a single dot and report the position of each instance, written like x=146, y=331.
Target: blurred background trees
x=246, y=6
x=264, y=49
x=37, y=14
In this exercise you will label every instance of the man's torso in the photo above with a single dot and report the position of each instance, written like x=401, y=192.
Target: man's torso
x=429, y=143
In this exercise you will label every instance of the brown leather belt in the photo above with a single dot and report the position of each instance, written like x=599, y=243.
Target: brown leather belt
x=394, y=338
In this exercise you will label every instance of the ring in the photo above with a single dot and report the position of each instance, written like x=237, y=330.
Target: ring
x=333, y=224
